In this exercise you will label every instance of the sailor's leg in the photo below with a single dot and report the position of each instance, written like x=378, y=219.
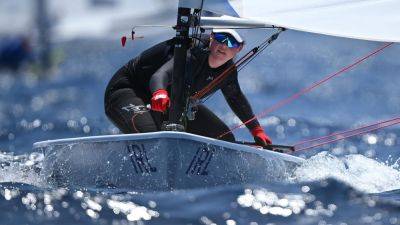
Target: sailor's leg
x=128, y=112
x=207, y=124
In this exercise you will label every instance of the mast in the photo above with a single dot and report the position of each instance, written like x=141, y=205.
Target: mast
x=177, y=111
x=42, y=20
x=182, y=41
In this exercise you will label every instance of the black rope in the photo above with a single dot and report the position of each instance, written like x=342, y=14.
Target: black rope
x=261, y=48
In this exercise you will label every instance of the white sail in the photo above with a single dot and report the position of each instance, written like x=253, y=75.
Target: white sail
x=375, y=20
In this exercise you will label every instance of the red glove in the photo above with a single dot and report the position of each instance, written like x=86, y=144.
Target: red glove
x=260, y=136
x=160, y=100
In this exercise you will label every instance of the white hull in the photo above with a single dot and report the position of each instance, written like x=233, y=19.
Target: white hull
x=159, y=161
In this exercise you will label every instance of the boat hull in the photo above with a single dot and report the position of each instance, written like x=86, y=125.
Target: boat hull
x=159, y=161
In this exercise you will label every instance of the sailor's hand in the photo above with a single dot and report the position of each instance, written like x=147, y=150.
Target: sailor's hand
x=160, y=100
x=260, y=137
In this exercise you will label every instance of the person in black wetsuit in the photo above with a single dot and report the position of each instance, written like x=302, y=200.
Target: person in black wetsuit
x=146, y=80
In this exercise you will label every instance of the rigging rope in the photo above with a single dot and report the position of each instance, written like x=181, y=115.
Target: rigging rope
x=243, y=61
x=308, y=89
x=316, y=142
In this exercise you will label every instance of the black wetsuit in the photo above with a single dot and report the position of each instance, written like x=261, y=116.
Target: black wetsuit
x=131, y=88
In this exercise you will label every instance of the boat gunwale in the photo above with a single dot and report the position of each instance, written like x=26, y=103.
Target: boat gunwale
x=167, y=135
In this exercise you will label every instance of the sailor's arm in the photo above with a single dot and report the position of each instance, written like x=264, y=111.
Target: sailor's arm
x=241, y=107
x=158, y=84
x=161, y=78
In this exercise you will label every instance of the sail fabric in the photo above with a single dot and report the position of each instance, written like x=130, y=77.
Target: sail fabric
x=375, y=20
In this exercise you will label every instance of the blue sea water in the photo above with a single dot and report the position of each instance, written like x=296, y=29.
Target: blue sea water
x=353, y=181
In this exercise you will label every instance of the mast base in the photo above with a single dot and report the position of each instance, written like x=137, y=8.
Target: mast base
x=168, y=126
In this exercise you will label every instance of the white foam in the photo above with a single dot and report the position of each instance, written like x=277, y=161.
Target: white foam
x=361, y=173
x=21, y=168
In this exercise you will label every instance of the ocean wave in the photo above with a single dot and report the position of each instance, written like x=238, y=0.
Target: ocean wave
x=360, y=172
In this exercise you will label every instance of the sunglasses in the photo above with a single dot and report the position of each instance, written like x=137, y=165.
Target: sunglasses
x=226, y=39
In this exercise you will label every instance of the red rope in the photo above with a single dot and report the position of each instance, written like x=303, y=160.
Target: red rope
x=342, y=132
x=133, y=122
x=243, y=61
x=308, y=89
x=316, y=142
x=222, y=76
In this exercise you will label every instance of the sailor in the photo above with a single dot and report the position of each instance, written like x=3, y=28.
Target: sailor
x=146, y=80
x=15, y=52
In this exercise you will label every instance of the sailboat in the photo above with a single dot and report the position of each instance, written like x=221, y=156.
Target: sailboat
x=173, y=159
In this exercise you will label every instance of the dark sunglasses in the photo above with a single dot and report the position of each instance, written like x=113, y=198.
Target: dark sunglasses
x=226, y=39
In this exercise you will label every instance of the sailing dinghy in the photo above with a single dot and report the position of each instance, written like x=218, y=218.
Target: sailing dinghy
x=170, y=159
x=159, y=161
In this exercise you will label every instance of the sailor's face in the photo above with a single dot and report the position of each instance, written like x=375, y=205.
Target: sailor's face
x=221, y=53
